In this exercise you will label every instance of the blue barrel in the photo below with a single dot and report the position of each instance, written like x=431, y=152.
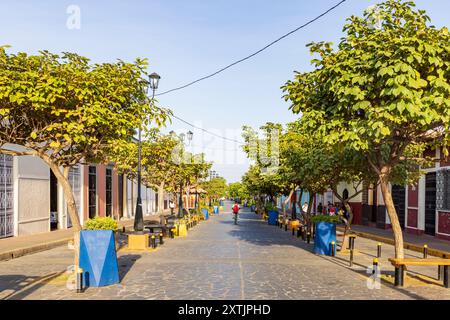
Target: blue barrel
x=273, y=218
x=325, y=234
x=205, y=213
x=216, y=210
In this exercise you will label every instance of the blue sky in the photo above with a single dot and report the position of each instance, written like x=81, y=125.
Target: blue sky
x=185, y=40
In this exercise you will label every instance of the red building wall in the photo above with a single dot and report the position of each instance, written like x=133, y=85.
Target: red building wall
x=444, y=225
x=357, y=212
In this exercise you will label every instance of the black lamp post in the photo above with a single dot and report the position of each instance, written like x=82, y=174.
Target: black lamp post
x=138, y=217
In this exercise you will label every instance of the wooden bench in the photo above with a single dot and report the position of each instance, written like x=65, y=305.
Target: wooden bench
x=400, y=264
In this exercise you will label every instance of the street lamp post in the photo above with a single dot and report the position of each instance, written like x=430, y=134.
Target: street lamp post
x=189, y=136
x=139, y=217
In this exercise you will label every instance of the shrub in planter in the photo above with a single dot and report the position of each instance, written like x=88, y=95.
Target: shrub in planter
x=270, y=207
x=325, y=233
x=272, y=212
x=101, y=223
x=325, y=218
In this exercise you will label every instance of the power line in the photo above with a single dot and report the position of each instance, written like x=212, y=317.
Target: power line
x=206, y=131
x=255, y=53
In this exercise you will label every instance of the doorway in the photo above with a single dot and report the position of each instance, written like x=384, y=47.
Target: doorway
x=398, y=197
x=53, y=201
x=430, y=203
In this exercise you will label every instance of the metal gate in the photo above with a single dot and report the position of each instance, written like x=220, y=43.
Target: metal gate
x=430, y=203
x=6, y=196
x=75, y=182
x=398, y=196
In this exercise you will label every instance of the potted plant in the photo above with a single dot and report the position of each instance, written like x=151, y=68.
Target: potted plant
x=205, y=212
x=325, y=233
x=252, y=205
x=216, y=207
x=98, y=254
x=272, y=212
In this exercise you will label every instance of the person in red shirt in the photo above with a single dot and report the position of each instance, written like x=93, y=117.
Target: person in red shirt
x=235, y=211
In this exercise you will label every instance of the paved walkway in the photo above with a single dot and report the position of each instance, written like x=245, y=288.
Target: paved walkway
x=217, y=260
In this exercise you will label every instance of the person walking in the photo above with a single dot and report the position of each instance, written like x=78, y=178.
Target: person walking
x=172, y=207
x=235, y=211
x=320, y=208
x=331, y=210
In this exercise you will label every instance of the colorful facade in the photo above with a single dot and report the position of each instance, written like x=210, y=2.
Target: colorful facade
x=32, y=201
x=422, y=209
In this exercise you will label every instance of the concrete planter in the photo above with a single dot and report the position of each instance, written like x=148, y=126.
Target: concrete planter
x=98, y=258
x=325, y=234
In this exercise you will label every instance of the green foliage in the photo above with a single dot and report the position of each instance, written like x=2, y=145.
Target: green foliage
x=101, y=223
x=238, y=190
x=270, y=207
x=325, y=218
x=216, y=188
x=66, y=110
x=383, y=92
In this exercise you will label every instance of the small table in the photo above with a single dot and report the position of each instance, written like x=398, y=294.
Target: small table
x=152, y=227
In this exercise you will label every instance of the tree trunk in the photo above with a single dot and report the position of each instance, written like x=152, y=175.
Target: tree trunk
x=397, y=230
x=348, y=225
x=348, y=222
x=308, y=213
x=125, y=197
x=63, y=179
x=300, y=205
x=285, y=203
x=160, y=208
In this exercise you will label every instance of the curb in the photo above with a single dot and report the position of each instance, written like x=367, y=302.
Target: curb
x=20, y=252
x=16, y=253
x=406, y=245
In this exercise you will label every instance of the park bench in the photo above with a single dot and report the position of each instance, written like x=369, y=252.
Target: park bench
x=400, y=265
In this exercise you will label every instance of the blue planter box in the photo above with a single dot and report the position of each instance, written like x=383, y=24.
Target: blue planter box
x=205, y=213
x=98, y=258
x=325, y=234
x=216, y=210
x=273, y=218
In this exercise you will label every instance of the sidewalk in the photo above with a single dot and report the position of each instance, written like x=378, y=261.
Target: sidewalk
x=15, y=247
x=436, y=247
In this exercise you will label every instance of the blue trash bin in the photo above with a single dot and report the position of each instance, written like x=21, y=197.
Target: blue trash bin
x=324, y=235
x=205, y=213
x=273, y=218
x=216, y=210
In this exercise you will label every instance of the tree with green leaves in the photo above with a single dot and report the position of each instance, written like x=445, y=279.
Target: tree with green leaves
x=66, y=111
x=157, y=163
x=384, y=92
x=264, y=178
x=216, y=188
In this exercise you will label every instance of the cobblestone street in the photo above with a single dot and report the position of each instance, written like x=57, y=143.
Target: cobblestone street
x=217, y=260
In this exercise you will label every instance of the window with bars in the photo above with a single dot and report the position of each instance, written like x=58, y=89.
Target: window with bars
x=443, y=190
x=109, y=191
x=92, y=192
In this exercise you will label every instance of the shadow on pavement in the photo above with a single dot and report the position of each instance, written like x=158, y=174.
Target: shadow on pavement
x=125, y=263
x=252, y=229
x=22, y=286
x=345, y=264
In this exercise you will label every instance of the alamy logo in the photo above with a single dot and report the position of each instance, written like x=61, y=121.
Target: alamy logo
x=266, y=151
x=374, y=279
x=73, y=21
